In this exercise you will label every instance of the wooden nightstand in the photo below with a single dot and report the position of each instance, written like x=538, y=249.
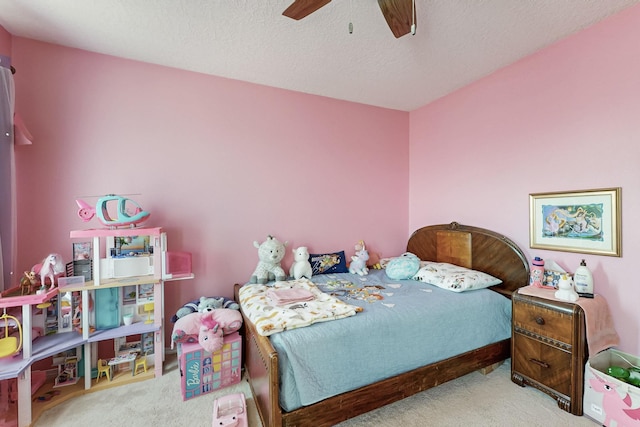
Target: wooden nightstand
x=548, y=348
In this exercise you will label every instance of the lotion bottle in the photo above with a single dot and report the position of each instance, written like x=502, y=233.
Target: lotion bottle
x=583, y=281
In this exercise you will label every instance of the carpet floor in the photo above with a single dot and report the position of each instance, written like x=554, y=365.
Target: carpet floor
x=475, y=399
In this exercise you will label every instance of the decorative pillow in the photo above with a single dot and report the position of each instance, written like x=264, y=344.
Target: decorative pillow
x=334, y=262
x=403, y=267
x=454, y=278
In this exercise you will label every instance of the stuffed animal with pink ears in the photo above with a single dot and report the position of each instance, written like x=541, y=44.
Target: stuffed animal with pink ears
x=201, y=327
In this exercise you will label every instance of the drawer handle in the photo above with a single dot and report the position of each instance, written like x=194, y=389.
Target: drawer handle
x=539, y=363
x=539, y=320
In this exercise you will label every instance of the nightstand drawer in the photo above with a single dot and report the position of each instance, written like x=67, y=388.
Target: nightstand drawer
x=548, y=348
x=547, y=365
x=543, y=321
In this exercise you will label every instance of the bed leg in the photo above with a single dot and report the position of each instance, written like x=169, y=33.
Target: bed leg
x=488, y=369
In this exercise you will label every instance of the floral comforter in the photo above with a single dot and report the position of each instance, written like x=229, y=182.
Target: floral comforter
x=270, y=317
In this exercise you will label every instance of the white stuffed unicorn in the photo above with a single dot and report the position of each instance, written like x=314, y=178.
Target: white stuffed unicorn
x=359, y=262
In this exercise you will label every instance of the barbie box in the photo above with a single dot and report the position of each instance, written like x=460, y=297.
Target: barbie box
x=202, y=372
x=608, y=400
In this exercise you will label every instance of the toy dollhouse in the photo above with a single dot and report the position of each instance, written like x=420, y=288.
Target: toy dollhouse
x=122, y=300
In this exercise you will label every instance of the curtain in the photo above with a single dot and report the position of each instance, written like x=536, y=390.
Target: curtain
x=8, y=220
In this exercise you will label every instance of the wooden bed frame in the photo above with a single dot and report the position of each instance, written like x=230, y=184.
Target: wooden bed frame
x=467, y=246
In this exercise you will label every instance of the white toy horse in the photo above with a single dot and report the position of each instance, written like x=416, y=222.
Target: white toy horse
x=51, y=266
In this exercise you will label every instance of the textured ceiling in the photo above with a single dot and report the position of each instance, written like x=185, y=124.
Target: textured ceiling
x=457, y=41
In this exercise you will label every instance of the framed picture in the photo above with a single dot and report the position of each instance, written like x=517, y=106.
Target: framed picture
x=82, y=251
x=587, y=221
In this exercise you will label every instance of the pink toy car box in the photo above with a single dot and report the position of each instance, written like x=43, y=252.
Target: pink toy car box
x=202, y=372
x=230, y=411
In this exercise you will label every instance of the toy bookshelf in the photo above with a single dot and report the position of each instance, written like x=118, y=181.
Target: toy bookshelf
x=78, y=329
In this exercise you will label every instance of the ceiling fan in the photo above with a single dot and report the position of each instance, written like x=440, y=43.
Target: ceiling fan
x=399, y=14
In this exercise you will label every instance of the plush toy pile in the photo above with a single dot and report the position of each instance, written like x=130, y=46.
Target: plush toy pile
x=207, y=328
x=206, y=321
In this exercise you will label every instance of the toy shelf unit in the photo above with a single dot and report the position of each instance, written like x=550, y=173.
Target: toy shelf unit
x=121, y=299
x=129, y=268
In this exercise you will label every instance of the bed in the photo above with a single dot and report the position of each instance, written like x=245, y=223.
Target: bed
x=472, y=247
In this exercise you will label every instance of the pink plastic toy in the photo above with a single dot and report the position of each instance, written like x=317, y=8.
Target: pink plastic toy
x=51, y=267
x=200, y=326
x=230, y=411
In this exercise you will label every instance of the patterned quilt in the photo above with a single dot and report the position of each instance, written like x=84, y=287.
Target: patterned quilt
x=269, y=317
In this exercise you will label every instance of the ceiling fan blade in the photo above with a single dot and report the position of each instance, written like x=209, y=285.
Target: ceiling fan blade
x=398, y=14
x=301, y=8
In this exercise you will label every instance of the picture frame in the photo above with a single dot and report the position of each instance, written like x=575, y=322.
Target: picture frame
x=82, y=251
x=586, y=221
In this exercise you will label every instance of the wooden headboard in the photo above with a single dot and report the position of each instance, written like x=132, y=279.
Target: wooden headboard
x=475, y=248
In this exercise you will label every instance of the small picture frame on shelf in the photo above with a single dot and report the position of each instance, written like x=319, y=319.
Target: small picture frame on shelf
x=130, y=246
x=129, y=294
x=145, y=293
x=81, y=251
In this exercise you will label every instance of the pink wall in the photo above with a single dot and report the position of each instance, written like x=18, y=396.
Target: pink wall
x=5, y=42
x=563, y=119
x=218, y=163
x=221, y=163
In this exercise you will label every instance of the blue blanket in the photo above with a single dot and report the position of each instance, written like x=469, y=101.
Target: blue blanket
x=404, y=324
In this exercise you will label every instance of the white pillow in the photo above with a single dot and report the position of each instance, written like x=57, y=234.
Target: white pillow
x=453, y=277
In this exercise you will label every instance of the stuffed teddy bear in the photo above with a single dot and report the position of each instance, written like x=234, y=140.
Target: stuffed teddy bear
x=270, y=254
x=201, y=326
x=214, y=303
x=301, y=266
x=204, y=304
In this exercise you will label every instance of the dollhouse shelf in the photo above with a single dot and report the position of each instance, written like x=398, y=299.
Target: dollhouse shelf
x=19, y=366
x=112, y=283
x=123, y=331
x=118, y=232
x=43, y=347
